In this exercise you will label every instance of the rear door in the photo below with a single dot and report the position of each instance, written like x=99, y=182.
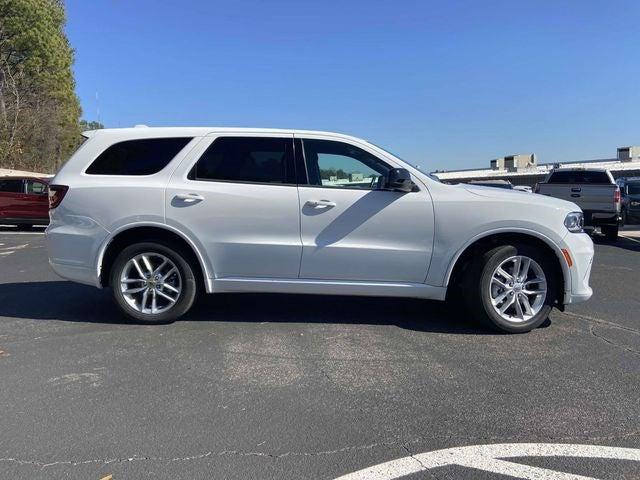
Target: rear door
x=353, y=230
x=12, y=197
x=237, y=197
x=36, y=204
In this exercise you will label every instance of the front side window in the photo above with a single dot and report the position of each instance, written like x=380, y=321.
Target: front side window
x=36, y=188
x=340, y=165
x=11, y=185
x=633, y=189
x=247, y=159
x=137, y=157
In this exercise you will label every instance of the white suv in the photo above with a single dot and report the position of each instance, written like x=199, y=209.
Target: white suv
x=159, y=214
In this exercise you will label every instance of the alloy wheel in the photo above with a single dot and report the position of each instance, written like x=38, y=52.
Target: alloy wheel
x=518, y=289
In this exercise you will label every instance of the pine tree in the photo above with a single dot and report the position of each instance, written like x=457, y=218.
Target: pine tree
x=39, y=110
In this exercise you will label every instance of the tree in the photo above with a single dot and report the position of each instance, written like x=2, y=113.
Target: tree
x=93, y=125
x=39, y=109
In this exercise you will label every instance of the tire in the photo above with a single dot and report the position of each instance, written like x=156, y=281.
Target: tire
x=182, y=280
x=623, y=221
x=483, y=290
x=610, y=232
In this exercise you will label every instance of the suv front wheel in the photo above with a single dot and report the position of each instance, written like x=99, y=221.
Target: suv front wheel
x=153, y=282
x=511, y=288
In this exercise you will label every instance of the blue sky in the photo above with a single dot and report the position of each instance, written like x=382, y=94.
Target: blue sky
x=447, y=84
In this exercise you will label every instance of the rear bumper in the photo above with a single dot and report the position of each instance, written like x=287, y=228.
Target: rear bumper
x=73, y=246
x=580, y=248
x=76, y=273
x=595, y=218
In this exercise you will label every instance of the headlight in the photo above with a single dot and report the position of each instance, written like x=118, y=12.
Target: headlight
x=574, y=222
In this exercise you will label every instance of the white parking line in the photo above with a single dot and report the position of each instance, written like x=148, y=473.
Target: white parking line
x=490, y=458
x=631, y=238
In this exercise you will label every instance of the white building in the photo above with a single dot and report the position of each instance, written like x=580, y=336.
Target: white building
x=523, y=169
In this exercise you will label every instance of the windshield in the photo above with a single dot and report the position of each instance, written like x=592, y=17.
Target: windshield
x=419, y=167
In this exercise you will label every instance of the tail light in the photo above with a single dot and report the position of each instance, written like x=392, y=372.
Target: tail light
x=56, y=194
x=616, y=195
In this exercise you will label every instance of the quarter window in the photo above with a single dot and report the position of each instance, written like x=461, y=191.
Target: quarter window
x=247, y=159
x=137, y=157
x=340, y=165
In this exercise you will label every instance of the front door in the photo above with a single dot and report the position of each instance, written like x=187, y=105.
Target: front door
x=239, y=201
x=353, y=230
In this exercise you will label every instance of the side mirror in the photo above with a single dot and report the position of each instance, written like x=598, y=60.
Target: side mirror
x=399, y=180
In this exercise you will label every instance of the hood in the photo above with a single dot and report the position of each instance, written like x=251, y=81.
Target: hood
x=521, y=197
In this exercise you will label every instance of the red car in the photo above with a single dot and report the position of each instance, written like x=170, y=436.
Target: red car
x=24, y=201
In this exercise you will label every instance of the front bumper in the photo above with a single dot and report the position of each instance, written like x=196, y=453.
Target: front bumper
x=580, y=249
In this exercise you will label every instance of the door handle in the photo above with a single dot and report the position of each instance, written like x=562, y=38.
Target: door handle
x=320, y=203
x=189, y=197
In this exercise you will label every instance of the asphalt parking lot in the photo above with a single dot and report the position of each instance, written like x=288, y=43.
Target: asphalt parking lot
x=292, y=387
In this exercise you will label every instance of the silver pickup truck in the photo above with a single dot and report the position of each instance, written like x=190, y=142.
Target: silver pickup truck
x=593, y=190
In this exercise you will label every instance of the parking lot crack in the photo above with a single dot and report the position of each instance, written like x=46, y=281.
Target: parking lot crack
x=611, y=342
x=593, y=322
x=223, y=453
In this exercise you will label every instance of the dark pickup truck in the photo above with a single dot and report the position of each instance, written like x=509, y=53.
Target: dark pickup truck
x=24, y=201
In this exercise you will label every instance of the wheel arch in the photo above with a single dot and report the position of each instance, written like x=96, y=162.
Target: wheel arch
x=487, y=240
x=129, y=234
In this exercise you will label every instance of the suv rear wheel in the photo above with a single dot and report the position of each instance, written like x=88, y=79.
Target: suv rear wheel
x=153, y=282
x=511, y=288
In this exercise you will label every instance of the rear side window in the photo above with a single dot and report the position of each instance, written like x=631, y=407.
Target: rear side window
x=597, y=178
x=247, y=159
x=137, y=157
x=11, y=185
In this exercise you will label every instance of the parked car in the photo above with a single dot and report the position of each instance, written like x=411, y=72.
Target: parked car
x=23, y=201
x=630, y=199
x=161, y=213
x=593, y=190
x=493, y=183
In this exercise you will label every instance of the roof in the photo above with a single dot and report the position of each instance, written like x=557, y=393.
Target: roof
x=142, y=130
x=25, y=177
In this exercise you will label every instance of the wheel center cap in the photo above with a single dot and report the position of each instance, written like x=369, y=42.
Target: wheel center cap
x=517, y=287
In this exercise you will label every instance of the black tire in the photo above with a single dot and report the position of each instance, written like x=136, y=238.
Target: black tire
x=623, y=220
x=478, y=286
x=188, y=292
x=610, y=232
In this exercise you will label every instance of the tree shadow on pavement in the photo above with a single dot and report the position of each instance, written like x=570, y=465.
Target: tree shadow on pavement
x=71, y=302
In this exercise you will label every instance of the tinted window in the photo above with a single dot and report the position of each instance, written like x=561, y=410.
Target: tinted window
x=36, y=188
x=137, y=157
x=340, y=165
x=247, y=159
x=633, y=188
x=11, y=185
x=580, y=177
